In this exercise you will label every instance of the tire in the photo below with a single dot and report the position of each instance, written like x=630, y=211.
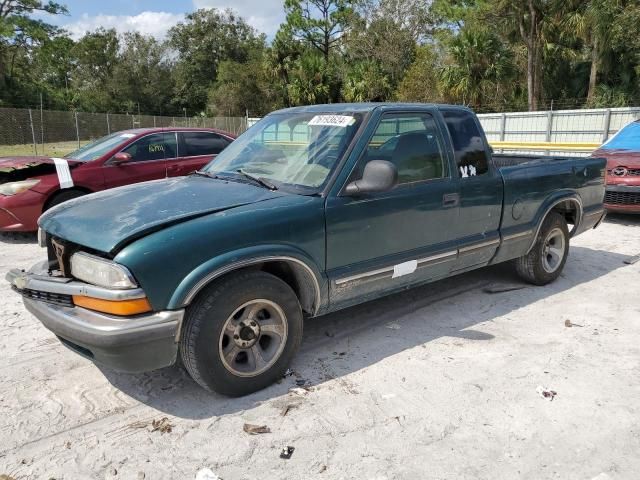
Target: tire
x=63, y=196
x=225, y=345
x=544, y=263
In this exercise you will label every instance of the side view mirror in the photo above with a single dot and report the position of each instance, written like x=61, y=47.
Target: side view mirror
x=378, y=176
x=121, y=157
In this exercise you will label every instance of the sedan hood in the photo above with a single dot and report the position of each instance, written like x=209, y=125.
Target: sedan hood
x=619, y=158
x=109, y=220
x=13, y=169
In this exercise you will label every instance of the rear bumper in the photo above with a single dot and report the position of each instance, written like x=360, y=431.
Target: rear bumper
x=130, y=344
x=19, y=213
x=622, y=198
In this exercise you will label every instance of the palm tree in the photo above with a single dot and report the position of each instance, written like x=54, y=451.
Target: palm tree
x=592, y=21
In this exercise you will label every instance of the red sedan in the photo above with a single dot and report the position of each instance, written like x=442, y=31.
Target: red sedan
x=31, y=185
x=622, y=152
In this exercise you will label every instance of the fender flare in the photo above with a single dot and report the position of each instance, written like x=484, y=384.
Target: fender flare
x=549, y=206
x=219, y=266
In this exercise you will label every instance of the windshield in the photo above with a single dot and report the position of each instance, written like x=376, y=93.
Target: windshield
x=297, y=149
x=99, y=147
x=626, y=139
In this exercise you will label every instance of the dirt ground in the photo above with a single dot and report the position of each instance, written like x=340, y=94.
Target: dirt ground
x=436, y=383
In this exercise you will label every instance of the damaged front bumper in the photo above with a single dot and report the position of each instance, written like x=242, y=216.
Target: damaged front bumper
x=130, y=344
x=20, y=212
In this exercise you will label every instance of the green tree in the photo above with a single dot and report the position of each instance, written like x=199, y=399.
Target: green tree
x=143, y=73
x=204, y=40
x=93, y=83
x=481, y=68
x=320, y=23
x=421, y=83
x=20, y=35
x=366, y=82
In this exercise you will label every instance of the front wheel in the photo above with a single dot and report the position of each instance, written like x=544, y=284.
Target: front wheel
x=544, y=263
x=241, y=333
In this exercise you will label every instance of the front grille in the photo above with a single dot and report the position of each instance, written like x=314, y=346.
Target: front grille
x=55, y=298
x=622, y=198
x=633, y=172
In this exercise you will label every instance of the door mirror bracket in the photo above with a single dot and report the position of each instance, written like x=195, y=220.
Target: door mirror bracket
x=378, y=176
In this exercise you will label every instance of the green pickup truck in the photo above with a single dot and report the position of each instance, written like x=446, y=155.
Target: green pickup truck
x=312, y=210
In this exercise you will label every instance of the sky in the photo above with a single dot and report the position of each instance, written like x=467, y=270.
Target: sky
x=156, y=17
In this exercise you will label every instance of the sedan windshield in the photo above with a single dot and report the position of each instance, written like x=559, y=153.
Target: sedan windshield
x=626, y=139
x=99, y=147
x=296, y=149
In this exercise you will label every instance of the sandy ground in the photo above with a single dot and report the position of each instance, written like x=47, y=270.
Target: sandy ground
x=439, y=382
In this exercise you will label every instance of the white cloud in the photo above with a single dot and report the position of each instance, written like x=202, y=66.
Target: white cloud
x=156, y=24
x=264, y=15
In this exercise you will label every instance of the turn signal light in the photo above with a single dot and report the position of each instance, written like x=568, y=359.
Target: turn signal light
x=123, y=307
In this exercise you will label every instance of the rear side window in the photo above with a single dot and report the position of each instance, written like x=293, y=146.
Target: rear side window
x=201, y=143
x=158, y=146
x=470, y=152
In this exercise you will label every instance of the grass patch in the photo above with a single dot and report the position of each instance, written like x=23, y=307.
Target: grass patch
x=56, y=149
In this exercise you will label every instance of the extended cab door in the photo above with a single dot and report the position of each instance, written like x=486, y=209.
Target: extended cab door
x=149, y=157
x=381, y=242
x=195, y=150
x=481, y=189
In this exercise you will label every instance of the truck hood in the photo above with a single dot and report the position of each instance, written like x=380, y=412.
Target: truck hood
x=109, y=220
x=13, y=169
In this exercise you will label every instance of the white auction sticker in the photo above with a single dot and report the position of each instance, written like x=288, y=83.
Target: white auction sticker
x=404, y=268
x=332, y=121
x=64, y=174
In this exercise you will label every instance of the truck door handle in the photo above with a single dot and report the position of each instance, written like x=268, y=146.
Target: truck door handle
x=450, y=200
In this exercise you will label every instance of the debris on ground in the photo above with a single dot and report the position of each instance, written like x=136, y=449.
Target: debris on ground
x=206, y=474
x=4, y=476
x=299, y=390
x=568, y=323
x=393, y=326
x=503, y=288
x=162, y=425
x=286, y=452
x=286, y=409
x=329, y=334
x=546, y=393
x=255, y=429
x=323, y=468
x=632, y=260
x=288, y=373
x=301, y=382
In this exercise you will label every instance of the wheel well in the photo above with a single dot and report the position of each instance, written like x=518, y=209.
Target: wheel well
x=55, y=194
x=571, y=211
x=300, y=278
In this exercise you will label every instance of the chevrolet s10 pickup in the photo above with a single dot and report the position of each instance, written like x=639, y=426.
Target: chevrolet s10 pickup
x=312, y=210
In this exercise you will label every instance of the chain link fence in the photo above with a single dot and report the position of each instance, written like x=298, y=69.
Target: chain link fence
x=55, y=133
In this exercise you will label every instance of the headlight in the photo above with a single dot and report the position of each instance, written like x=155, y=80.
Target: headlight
x=12, y=188
x=101, y=272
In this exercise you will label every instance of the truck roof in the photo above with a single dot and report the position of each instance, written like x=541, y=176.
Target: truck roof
x=360, y=107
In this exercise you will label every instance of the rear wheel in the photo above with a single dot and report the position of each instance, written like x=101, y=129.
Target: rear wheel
x=544, y=263
x=241, y=333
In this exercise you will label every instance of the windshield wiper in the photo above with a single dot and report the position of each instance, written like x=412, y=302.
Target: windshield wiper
x=260, y=180
x=202, y=173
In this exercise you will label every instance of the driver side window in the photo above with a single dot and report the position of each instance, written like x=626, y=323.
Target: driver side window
x=412, y=144
x=158, y=146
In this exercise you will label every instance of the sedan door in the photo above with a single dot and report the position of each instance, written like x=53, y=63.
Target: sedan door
x=195, y=150
x=149, y=157
x=380, y=243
